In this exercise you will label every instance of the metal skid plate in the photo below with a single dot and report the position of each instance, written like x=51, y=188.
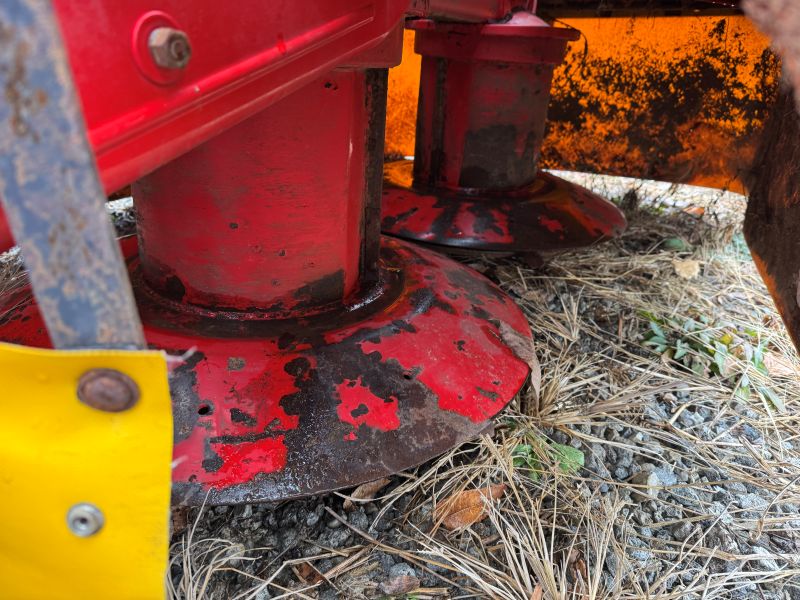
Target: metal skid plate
x=267, y=409
x=549, y=215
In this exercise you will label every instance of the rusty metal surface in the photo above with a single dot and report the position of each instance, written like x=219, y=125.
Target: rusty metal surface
x=772, y=221
x=51, y=192
x=268, y=409
x=376, y=94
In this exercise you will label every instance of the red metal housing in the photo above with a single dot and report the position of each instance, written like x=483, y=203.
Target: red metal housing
x=483, y=98
x=245, y=56
x=315, y=355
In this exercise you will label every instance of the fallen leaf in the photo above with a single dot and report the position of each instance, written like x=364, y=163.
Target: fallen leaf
x=522, y=347
x=574, y=554
x=366, y=491
x=467, y=507
x=667, y=356
x=402, y=584
x=779, y=366
x=697, y=211
x=538, y=592
x=580, y=567
x=677, y=244
x=688, y=269
x=728, y=366
x=307, y=573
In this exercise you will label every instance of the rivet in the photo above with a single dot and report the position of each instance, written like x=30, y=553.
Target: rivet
x=85, y=519
x=107, y=390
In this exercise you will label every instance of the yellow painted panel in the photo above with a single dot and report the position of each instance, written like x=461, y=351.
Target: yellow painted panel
x=56, y=452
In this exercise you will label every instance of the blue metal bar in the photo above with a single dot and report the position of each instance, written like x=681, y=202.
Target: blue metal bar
x=51, y=192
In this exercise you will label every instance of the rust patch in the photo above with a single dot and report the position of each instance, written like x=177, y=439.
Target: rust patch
x=236, y=363
x=21, y=101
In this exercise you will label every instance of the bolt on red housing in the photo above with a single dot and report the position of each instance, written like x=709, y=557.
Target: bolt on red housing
x=484, y=91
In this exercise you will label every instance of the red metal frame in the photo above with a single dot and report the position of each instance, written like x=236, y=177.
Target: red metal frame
x=246, y=55
x=483, y=98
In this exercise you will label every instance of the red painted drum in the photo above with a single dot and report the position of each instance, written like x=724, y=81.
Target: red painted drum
x=474, y=184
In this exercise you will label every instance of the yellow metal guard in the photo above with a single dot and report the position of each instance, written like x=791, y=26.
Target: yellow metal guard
x=56, y=452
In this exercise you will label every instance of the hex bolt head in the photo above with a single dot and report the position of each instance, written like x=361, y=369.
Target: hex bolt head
x=85, y=519
x=107, y=390
x=169, y=48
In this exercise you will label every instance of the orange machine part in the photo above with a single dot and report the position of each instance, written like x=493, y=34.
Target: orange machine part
x=671, y=98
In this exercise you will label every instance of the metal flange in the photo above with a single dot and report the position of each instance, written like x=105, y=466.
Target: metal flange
x=549, y=215
x=268, y=409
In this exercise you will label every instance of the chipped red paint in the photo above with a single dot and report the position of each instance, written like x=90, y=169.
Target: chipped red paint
x=263, y=408
x=483, y=98
x=551, y=225
x=441, y=370
x=359, y=406
x=244, y=460
x=232, y=405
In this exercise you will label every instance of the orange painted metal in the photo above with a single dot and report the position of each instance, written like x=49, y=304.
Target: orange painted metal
x=677, y=99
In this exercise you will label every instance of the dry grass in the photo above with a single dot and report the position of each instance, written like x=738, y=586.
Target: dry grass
x=557, y=535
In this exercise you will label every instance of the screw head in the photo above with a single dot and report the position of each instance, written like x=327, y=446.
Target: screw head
x=85, y=519
x=108, y=390
x=169, y=48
